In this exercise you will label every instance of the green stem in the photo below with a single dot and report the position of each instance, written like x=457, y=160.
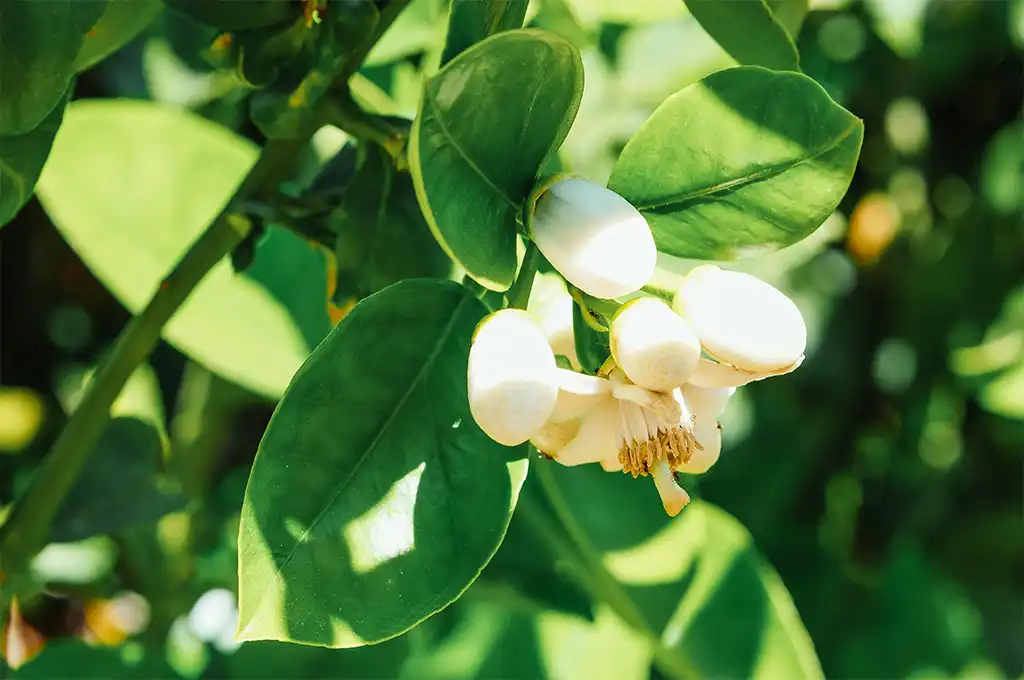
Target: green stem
x=597, y=578
x=28, y=524
x=519, y=294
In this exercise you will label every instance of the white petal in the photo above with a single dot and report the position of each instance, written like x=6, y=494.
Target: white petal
x=673, y=497
x=578, y=393
x=714, y=374
x=655, y=347
x=742, y=320
x=709, y=435
x=554, y=436
x=612, y=464
x=594, y=238
x=597, y=439
x=512, y=380
x=707, y=402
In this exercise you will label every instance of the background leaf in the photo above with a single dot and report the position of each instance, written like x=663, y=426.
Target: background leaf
x=238, y=14
x=131, y=184
x=748, y=31
x=487, y=123
x=404, y=499
x=783, y=156
x=473, y=20
x=122, y=20
x=39, y=43
x=21, y=160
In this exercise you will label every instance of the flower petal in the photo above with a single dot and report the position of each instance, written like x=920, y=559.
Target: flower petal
x=673, y=497
x=578, y=393
x=597, y=439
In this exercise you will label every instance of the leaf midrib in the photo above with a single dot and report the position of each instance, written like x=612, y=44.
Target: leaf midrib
x=766, y=173
x=343, y=484
x=431, y=100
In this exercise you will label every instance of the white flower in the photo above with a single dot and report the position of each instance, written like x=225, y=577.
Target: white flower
x=626, y=427
x=511, y=379
x=655, y=347
x=557, y=325
x=751, y=329
x=594, y=238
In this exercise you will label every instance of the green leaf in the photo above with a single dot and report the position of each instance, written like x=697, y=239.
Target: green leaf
x=473, y=20
x=21, y=160
x=491, y=640
x=276, y=660
x=121, y=22
x=790, y=14
x=374, y=500
x=748, y=31
x=39, y=42
x=592, y=346
x=230, y=15
x=419, y=28
x=745, y=157
x=121, y=486
x=700, y=581
x=487, y=124
x=382, y=236
x=131, y=184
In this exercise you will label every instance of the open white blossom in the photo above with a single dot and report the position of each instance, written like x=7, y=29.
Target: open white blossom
x=626, y=427
x=512, y=380
x=594, y=238
x=751, y=329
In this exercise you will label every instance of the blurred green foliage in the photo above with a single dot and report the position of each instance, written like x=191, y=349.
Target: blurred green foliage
x=882, y=480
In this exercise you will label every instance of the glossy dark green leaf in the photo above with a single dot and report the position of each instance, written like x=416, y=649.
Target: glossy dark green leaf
x=745, y=157
x=473, y=20
x=39, y=43
x=748, y=31
x=131, y=184
x=121, y=21
x=230, y=15
x=487, y=124
x=374, y=500
x=21, y=160
x=382, y=237
x=121, y=486
x=592, y=346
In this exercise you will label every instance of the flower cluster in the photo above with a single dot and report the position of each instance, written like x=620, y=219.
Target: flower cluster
x=653, y=409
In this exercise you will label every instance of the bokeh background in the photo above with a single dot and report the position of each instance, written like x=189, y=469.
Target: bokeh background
x=883, y=480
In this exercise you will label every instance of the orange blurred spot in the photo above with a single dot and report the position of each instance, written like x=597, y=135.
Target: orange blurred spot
x=91, y=33
x=21, y=641
x=101, y=625
x=874, y=224
x=222, y=41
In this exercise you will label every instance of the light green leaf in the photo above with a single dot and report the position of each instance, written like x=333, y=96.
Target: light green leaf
x=21, y=160
x=487, y=124
x=374, y=500
x=748, y=31
x=745, y=157
x=473, y=20
x=39, y=42
x=121, y=21
x=730, y=614
x=131, y=184
x=419, y=28
x=791, y=14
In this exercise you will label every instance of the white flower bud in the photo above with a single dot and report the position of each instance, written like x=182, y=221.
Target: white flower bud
x=512, y=379
x=594, y=238
x=742, y=320
x=655, y=347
